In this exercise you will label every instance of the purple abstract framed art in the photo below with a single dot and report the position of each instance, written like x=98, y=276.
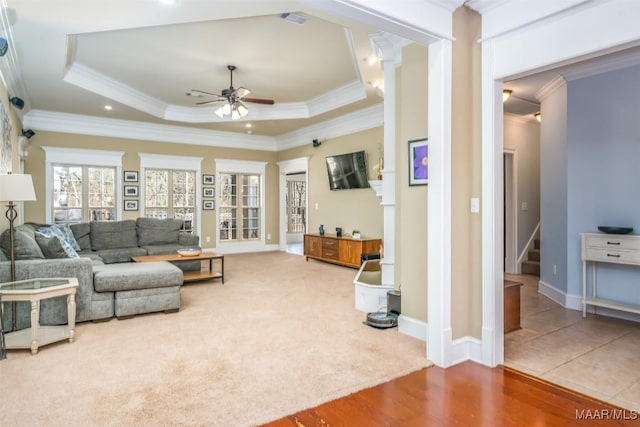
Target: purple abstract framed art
x=418, y=162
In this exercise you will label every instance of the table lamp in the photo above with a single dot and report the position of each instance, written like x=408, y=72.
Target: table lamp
x=14, y=188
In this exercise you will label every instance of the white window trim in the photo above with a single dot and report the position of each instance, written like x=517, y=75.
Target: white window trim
x=165, y=161
x=243, y=167
x=82, y=157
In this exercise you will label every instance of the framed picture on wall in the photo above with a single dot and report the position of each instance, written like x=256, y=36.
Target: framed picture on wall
x=130, y=176
x=130, y=191
x=208, y=179
x=418, y=162
x=130, y=205
x=208, y=205
x=208, y=191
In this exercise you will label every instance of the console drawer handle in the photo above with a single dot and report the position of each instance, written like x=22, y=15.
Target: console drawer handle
x=614, y=255
x=613, y=243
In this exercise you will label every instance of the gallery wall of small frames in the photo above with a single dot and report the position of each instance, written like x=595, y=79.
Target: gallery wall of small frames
x=131, y=190
x=208, y=192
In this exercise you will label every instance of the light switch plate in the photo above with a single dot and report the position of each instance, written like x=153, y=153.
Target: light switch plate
x=475, y=205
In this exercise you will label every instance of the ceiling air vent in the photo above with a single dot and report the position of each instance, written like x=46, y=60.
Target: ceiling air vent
x=298, y=19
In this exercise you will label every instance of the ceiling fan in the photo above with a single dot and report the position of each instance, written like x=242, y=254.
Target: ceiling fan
x=231, y=100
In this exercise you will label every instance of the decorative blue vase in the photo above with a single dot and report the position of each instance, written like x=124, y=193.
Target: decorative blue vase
x=321, y=230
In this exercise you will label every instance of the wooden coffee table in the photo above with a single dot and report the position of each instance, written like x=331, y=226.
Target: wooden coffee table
x=190, y=276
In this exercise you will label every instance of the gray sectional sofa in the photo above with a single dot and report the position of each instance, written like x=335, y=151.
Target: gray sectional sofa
x=100, y=258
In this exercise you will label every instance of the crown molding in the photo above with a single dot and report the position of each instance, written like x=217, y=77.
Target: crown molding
x=550, y=87
x=482, y=6
x=366, y=118
x=363, y=119
x=516, y=118
x=597, y=66
x=93, y=81
x=116, y=128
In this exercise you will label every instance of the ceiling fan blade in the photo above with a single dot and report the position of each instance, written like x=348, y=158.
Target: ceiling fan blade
x=213, y=101
x=259, y=101
x=241, y=92
x=196, y=92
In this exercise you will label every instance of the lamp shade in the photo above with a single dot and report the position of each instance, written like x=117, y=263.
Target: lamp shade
x=16, y=187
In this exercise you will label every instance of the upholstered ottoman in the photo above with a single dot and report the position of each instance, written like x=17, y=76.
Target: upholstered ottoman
x=140, y=287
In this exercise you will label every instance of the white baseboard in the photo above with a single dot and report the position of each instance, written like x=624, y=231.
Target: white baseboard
x=242, y=247
x=462, y=349
x=412, y=327
x=574, y=302
x=465, y=348
x=553, y=293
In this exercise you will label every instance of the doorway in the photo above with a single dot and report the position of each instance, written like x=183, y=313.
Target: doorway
x=296, y=211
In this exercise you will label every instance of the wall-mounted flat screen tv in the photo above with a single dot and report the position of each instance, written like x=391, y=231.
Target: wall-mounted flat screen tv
x=347, y=171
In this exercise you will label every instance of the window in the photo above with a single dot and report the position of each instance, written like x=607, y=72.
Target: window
x=83, y=193
x=171, y=194
x=240, y=205
x=82, y=185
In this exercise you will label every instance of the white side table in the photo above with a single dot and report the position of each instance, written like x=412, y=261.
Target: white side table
x=35, y=290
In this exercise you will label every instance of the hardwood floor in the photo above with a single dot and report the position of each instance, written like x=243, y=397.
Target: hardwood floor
x=468, y=394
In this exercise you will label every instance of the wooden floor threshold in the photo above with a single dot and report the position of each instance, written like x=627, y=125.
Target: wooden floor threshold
x=468, y=394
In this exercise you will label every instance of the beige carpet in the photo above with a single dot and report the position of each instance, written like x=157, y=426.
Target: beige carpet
x=281, y=335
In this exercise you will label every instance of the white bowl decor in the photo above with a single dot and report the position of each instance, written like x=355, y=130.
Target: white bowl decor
x=189, y=252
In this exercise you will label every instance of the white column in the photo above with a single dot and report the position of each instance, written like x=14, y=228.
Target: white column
x=390, y=48
x=492, y=218
x=439, y=334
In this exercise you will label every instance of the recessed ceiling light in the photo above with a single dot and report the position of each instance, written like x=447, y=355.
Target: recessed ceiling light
x=108, y=107
x=293, y=17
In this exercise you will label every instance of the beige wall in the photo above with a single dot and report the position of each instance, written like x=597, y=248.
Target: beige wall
x=466, y=133
x=16, y=130
x=411, y=202
x=350, y=209
x=35, y=165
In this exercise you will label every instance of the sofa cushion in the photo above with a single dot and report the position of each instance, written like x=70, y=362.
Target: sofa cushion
x=153, y=231
x=133, y=275
x=25, y=246
x=54, y=247
x=111, y=256
x=113, y=234
x=188, y=239
x=81, y=232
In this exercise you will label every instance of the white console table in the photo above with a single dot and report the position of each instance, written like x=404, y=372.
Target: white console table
x=610, y=248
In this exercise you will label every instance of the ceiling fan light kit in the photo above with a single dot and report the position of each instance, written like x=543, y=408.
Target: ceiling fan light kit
x=230, y=100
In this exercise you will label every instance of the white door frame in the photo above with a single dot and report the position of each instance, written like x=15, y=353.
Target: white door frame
x=511, y=211
x=503, y=59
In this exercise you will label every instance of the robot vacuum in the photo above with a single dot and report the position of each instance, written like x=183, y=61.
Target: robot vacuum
x=386, y=319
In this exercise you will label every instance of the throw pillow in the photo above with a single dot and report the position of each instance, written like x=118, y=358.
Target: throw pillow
x=52, y=245
x=68, y=235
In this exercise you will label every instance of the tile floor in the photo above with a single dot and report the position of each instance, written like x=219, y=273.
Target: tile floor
x=598, y=356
